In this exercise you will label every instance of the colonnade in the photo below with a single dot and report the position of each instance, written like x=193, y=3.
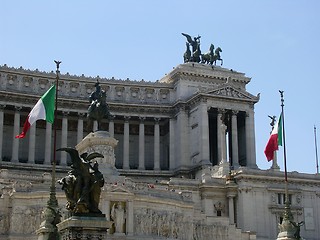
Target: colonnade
x=178, y=139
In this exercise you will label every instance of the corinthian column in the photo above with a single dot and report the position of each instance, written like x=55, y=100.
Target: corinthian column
x=111, y=125
x=47, y=154
x=1, y=128
x=16, y=131
x=64, y=138
x=235, y=154
x=126, y=143
x=182, y=138
x=80, y=127
x=141, y=144
x=32, y=143
x=250, y=140
x=172, y=143
x=248, y=154
x=156, y=144
x=204, y=133
x=219, y=133
x=223, y=143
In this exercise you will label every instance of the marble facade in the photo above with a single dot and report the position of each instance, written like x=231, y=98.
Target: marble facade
x=177, y=139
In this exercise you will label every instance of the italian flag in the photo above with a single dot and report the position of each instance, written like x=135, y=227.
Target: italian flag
x=44, y=109
x=275, y=140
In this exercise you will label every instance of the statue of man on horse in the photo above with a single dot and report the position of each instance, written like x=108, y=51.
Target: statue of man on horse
x=98, y=108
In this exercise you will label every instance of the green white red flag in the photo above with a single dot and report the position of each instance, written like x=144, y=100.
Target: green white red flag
x=44, y=109
x=275, y=140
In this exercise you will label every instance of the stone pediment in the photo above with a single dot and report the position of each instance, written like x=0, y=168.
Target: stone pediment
x=228, y=91
x=119, y=189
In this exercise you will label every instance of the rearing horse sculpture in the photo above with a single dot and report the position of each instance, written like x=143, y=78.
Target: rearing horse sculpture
x=217, y=56
x=187, y=54
x=208, y=57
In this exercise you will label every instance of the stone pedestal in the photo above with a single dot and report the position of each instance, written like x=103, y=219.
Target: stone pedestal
x=84, y=227
x=286, y=231
x=101, y=142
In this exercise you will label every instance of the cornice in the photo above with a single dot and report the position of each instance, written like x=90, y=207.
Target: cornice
x=28, y=101
x=203, y=73
x=276, y=177
x=86, y=79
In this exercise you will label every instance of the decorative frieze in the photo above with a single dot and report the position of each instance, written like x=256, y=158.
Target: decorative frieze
x=11, y=78
x=27, y=81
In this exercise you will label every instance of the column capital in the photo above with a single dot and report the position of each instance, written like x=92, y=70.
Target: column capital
x=65, y=113
x=142, y=119
x=221, y=111
x=81, y=114
x=126, y=118
x=157, y=120
x=181, y=107
x=111, y=117
x=249, y=113
x=234, y=112
x=2, y=106
x=18, y=109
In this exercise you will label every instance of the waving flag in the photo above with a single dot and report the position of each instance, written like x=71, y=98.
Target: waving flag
x=275, y=140
x=44, y=109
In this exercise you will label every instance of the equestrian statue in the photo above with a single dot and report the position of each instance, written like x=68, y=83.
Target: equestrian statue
x=98, y=109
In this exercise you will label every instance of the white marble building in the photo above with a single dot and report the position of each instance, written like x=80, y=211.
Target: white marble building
x=177, y=139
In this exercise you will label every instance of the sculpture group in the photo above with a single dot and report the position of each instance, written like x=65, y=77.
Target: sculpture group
x=211, y=57
x=83, y=183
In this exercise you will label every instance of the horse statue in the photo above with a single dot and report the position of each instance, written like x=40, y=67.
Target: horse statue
x=196, y=55
x=208, y=57
x=217, y=56
x=98, y=108
x=187, y=54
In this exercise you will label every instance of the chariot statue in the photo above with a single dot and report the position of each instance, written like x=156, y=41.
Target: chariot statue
x=211, y=57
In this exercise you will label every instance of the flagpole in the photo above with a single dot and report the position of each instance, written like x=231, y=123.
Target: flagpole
x=316, y=148
x=53, y=199
x=284, y=138
x=48, y=227
x=286, y=226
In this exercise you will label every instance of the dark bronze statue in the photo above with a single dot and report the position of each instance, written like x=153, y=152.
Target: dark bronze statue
x=273, y=121
x=209, y=56
x=187, y=54
x=297, y=229
x=98, y=108
x=83, y=183
x=196, y=56
x=217, y=56
x=195, y=44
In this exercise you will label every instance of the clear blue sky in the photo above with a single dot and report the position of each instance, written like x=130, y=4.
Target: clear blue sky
x=276, y=43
